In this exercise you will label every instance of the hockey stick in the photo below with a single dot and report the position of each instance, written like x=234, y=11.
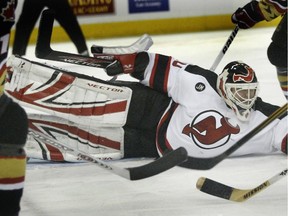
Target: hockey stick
x=44, y=51
x=155, y=167
x=143, y=43
x=218, y=189
x=103, y=55
x=225, y=48
x=208, y=163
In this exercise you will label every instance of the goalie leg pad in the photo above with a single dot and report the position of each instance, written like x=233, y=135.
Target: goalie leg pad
x=67, y=94
x=104, y=143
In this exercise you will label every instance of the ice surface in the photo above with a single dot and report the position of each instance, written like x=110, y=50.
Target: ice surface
x=84, y=189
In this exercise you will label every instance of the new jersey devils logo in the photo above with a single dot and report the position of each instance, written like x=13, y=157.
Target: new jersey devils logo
x=210, y=130
x=248, y=78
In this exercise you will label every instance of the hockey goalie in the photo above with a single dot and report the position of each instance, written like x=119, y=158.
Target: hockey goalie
x=173, y=104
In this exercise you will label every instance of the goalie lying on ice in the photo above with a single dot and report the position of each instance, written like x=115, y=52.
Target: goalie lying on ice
x=174, y=104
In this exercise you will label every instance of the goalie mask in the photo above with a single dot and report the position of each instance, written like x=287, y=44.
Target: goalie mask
x=238, y=86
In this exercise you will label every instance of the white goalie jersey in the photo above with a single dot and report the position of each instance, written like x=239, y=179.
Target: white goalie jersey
x=199, y=120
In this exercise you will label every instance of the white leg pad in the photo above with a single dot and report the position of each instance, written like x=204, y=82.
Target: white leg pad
x=75, y=97
x=103, y=143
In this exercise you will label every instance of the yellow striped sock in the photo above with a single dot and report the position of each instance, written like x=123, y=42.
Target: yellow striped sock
x=12, y=173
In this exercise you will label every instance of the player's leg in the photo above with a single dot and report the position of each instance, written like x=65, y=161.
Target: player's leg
x=13, y=132
x=139, y=143
x=277, y=53
x=30, y=13
x=13, y=127
x=67, y=19
x=137, y=139
x=146, y=108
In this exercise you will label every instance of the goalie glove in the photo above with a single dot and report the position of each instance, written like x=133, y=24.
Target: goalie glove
x=123, y=56
x=134, y=64
x=122, y=64
x=247, y=16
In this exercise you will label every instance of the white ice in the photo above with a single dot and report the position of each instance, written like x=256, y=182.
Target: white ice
x=58, y=189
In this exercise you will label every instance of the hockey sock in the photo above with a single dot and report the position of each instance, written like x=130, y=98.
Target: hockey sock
x=13, y=128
